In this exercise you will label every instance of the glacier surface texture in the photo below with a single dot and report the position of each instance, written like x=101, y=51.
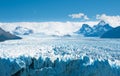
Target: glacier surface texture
x=36, y=55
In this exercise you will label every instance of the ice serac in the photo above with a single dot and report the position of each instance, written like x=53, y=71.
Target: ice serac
x=7, y=36
x=113, y=33
x=22, y=31
x=95, y=31
x=24, y=66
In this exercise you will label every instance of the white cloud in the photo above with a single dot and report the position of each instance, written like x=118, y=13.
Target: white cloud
x=85, y=17
x=112, y=20
x=79, y=15
x=49, y=28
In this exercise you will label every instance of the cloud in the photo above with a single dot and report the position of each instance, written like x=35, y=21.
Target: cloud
x=112, y=20
x=49, y=28
x=79, y=15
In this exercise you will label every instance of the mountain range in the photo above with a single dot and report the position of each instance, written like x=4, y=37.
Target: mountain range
x=95, y=31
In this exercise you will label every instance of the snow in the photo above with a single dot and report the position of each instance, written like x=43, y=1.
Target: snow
x=41, y=55
x=22, y=31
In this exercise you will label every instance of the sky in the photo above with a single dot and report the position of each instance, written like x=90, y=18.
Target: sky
x=58, y=10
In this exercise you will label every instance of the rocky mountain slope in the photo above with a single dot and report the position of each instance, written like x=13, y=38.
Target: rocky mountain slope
x=113, y=33
x=7, y=36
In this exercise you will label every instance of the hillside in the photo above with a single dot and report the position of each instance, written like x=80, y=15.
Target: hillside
x=113, y=33
x=7, y=36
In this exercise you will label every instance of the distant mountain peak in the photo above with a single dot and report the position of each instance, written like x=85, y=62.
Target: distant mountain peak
x=22, y=31
x=96, y=30
x=85, y=25
x=84, y=29
x=102, y=23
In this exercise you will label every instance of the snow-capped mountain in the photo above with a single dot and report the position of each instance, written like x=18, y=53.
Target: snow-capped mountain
x=22, y=31
x=6, y=35
x=100, y=28
x=96, y=30
x=113, y=33
x=102, y=23
x=84, y=29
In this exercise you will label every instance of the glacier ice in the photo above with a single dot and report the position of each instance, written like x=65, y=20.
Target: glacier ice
x=56, y=56
x=40, y=67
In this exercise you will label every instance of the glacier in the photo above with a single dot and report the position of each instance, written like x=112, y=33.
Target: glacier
x=41, y=55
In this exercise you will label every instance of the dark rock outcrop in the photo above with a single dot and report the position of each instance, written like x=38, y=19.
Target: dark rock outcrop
x=7, y=36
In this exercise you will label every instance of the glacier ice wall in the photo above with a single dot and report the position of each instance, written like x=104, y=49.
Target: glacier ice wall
x=28, y=66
